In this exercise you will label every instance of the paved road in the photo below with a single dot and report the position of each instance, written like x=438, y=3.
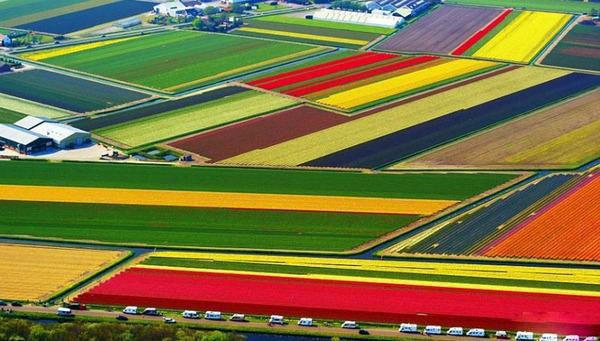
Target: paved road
x=289, y=328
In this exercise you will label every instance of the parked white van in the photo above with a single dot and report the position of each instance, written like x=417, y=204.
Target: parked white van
x=276, y=319
x=408, y=328
x=476, y=332
x=238, y=318
x=455, y=331
x=571, y=338
x=524, y=336
x=132, y=310
x=65, y=312
x=305, y=322
x=213, y=315
x=549, y=337
x=432, y=330
x=350, y=325
x=190, y=314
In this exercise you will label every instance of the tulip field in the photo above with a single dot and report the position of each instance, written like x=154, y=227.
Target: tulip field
x=35, y=273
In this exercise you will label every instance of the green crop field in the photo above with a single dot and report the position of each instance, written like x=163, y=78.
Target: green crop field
x=323, y=270
x=452, y=186
x=18, y=12
x=195, y=118
x=267, y=7
x=180, y=60
x=9, y=116
x=570, y=6
x=196, y=227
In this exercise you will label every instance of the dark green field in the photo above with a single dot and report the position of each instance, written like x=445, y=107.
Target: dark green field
x=579, y=49
x=65, y=92
x=455, y=186
x=195, y=227
x=9, y=116
x=315, y=270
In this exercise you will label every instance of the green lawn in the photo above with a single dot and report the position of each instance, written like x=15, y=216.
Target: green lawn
x=453, y=186
x=180, y=60
x=196, y=227
x=9, y=116
x=266, y=7
x=195, y=118
x=570, y=6
x=316, y=270
x=288, y=19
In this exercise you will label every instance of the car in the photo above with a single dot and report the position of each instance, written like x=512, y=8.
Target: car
x=16, y=304
x=501, y=334
x=3, y=304
x=122, y=318
x=169, y=320
x=363, y=332
x=151, y=312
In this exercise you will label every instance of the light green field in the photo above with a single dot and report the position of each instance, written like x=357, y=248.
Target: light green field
x=180, y=60
x=195, y=118
x=9, y=116
x=331, y=140
x=18, y=105
x=19, y=12
x=266, y=7
x=287, y=19
x=569, y=6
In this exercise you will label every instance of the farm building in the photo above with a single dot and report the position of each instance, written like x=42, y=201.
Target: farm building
x=128, y=23
x=172, y=9
x=63, y=136
x=22, y=140
x=403, y=8
x=371, y=19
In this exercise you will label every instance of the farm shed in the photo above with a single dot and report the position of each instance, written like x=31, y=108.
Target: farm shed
x=127, y=23
x=404, y=8
x=22, y=140
x=371, y=19
x=172, y=9
x=64, y=136
x=29, y=122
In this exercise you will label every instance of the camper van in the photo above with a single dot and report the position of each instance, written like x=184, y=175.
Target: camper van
x=408, y=328
x=305, y=322
x=350, y=325
x=190, y=314
x=549, y=337
x=238, y=318
x=524, y=336
x=132, y=310
x=64, y=312
x=213, y=315
x=476, y=332
x=455, y=331
x=432, y=330
x=276, y=319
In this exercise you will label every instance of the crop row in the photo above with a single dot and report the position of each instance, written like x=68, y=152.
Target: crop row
x=580, y=49
x=565, y=229
x=411, y=140
x=328, y=299
x=467, y=44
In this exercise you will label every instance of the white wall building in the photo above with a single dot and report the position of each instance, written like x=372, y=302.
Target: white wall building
x=371, y=19
x=64, y=136
x=172, y=9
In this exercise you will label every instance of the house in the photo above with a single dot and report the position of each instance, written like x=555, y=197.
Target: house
x=63, y=136
x=22, y=140
x=171, y=9
x=5, y=40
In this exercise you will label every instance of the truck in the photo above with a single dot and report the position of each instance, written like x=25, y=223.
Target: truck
x=276, y=319
x=432, y=330
x=305, y=322
x=455, y=331
x=190, y=314
x=213, y=315
x=408, y=328
x=476, y=332
x=131, y=310
x=64, y=312
x=524, y=336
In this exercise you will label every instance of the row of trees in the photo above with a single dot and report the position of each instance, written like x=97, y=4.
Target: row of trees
x=15, y=329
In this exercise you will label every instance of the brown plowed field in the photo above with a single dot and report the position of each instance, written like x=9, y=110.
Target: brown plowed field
x=561, y=136
x=259, y=133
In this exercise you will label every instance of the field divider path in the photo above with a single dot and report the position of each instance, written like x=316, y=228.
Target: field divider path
x=223, y=200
